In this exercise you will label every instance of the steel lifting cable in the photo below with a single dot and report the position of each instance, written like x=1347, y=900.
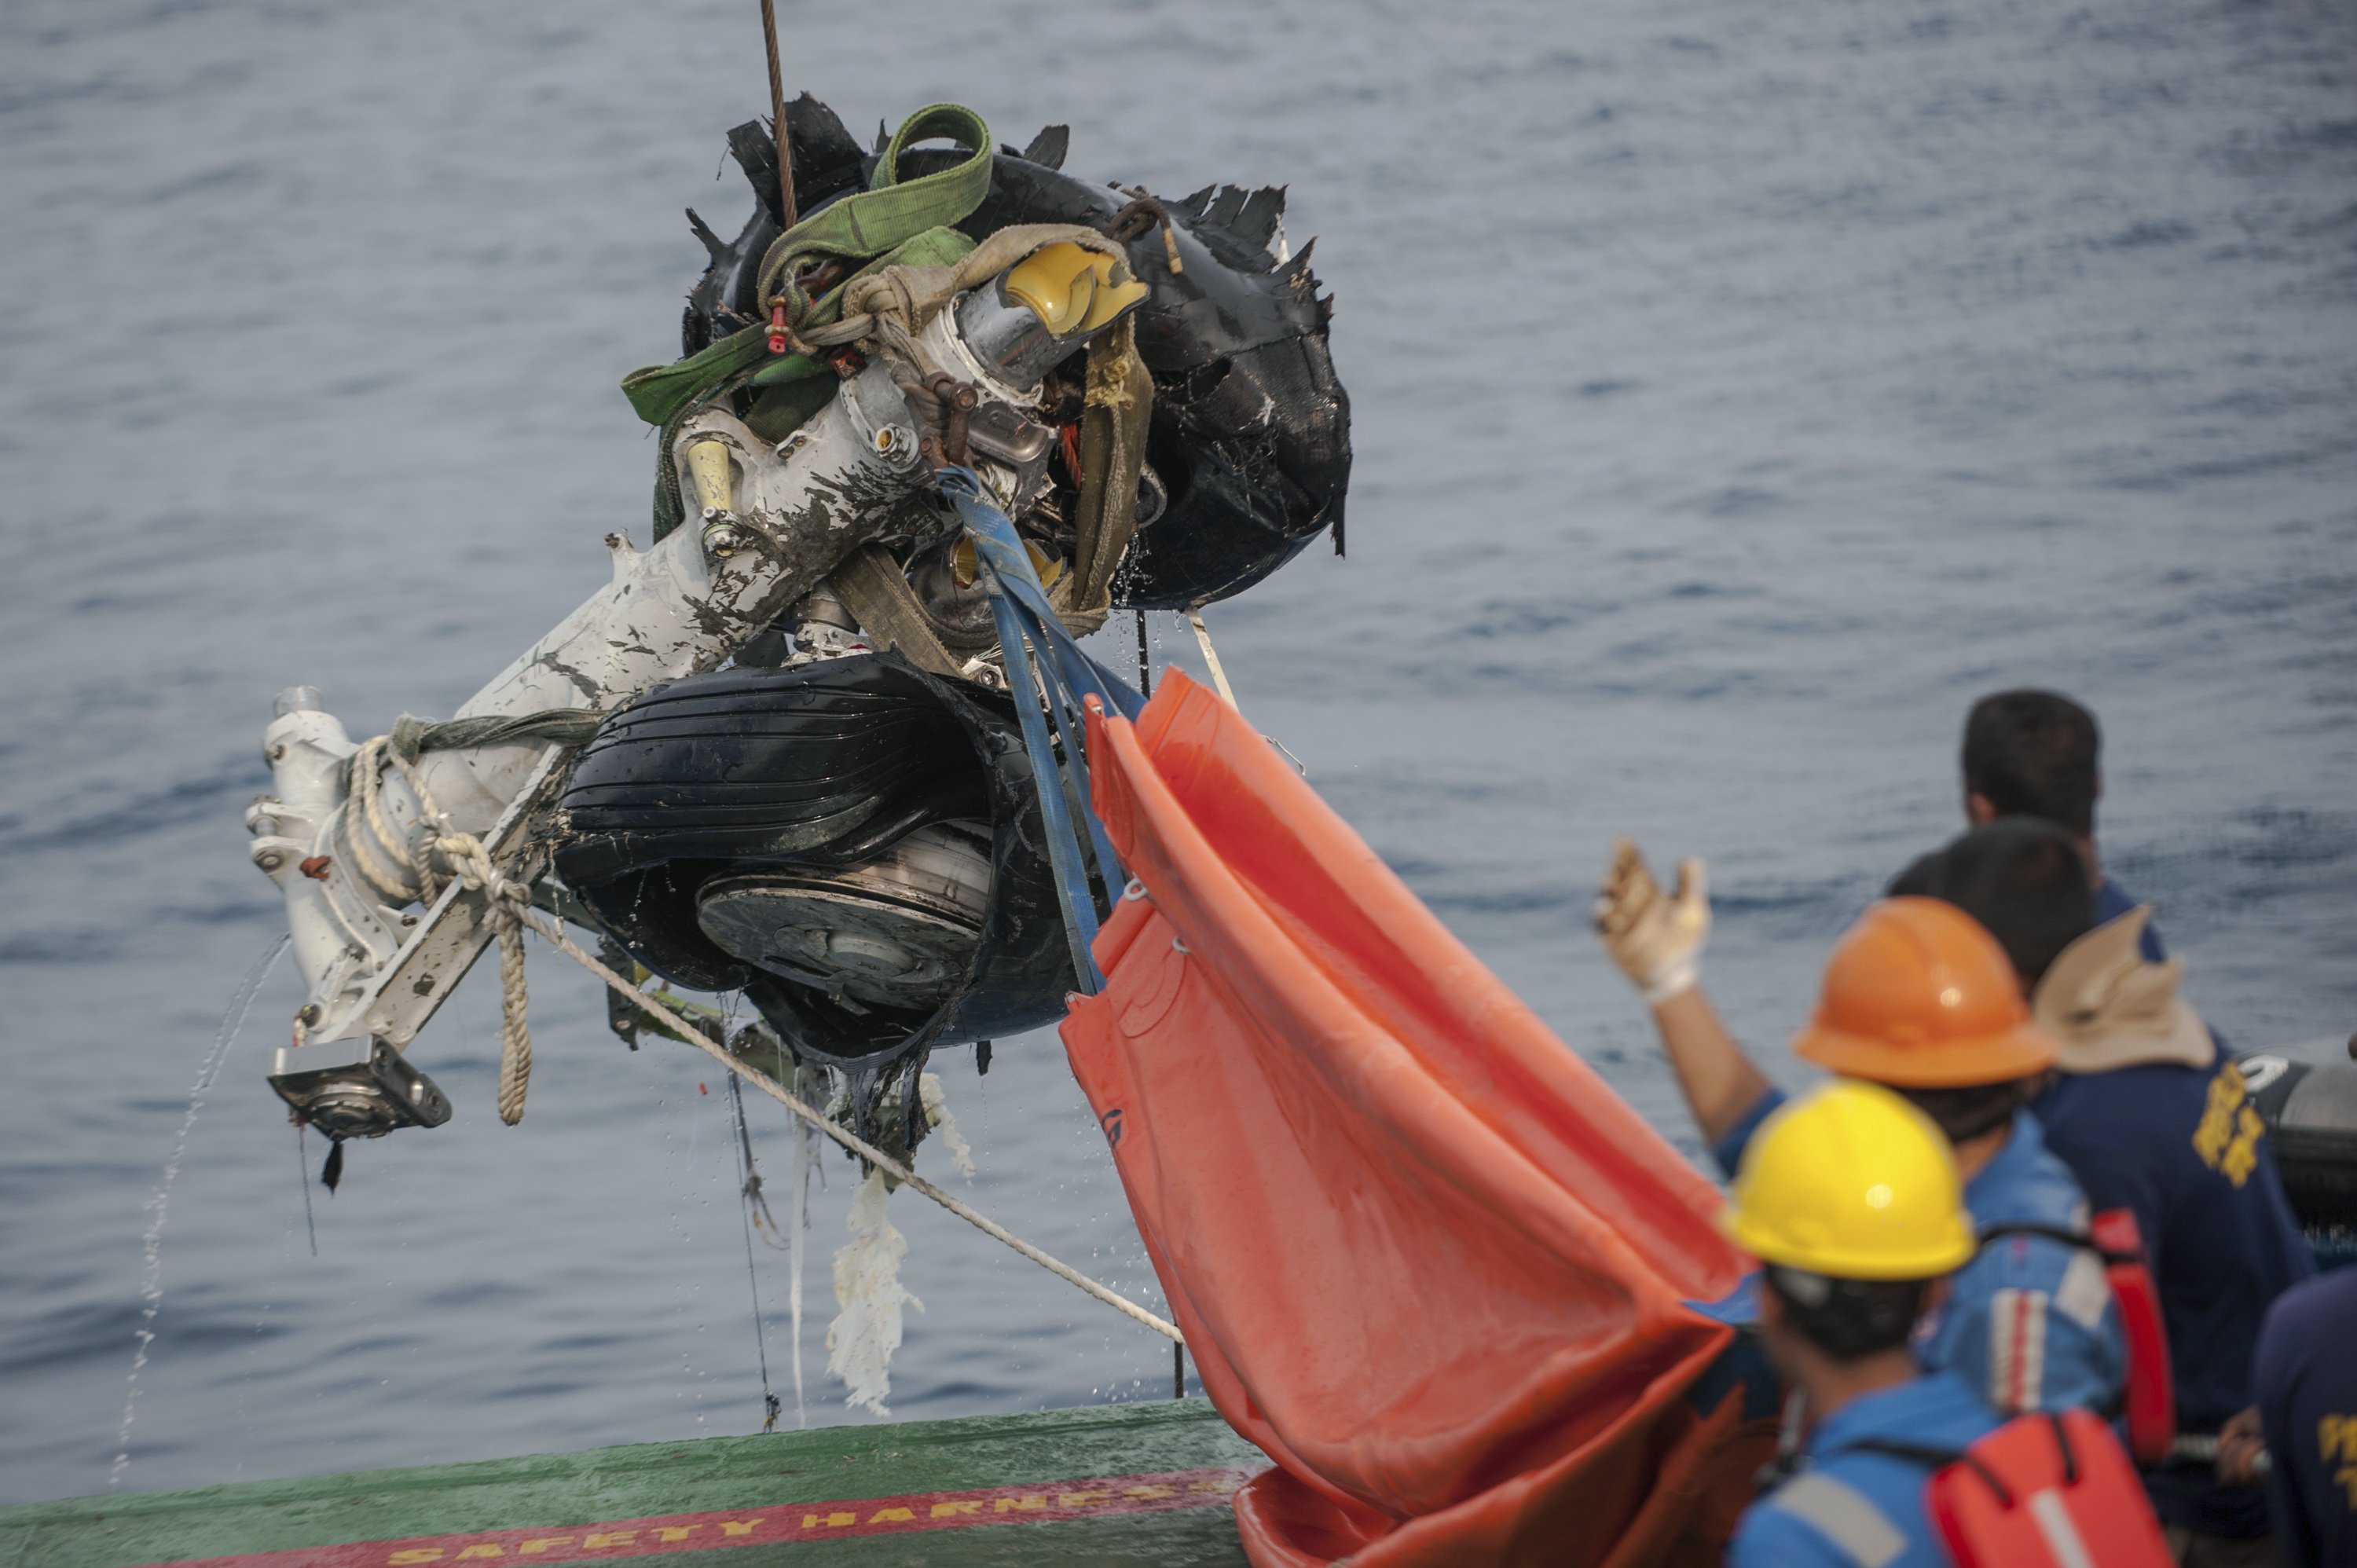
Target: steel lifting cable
x=857, y=1145
x=750, y=1183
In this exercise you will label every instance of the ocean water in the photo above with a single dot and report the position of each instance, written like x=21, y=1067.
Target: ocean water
x=1740, y=391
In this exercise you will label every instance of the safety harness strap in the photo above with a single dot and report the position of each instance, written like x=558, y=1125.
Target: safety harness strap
x=1933, y=1457
x=873, y=588
x=2062, y=1233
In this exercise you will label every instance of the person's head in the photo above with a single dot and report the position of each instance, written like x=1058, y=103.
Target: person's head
x=2024, y=880
x=2033, y=754
x=1919, y=998
x=1851, y=1201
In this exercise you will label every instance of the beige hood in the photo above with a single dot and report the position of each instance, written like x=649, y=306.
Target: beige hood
x=2108, y=1008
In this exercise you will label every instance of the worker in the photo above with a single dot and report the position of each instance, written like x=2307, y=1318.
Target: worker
x=1850, y=1200
x=2023, y=879
x=2039, y=754
x=2305, y=1381
x=2150, y=1116
x=1920, y=999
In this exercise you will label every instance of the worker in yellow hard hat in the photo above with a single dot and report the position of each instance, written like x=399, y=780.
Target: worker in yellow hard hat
x=1849, y=1198
x=1918, y=997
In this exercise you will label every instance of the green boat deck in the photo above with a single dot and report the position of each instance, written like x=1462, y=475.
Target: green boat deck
x=1138, y=1484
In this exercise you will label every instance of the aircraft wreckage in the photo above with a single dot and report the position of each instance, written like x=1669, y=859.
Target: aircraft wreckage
x=790, y=749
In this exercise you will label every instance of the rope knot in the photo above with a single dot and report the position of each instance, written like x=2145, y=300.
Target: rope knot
x=478, y=873
x=472, y=864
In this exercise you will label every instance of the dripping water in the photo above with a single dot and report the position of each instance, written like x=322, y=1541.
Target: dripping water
x=303, y=1183
x=798, y=1227
x=159, y=1204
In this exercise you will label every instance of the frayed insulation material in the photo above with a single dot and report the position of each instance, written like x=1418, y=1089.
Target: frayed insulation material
x=938, y=1117
x=867, y=1290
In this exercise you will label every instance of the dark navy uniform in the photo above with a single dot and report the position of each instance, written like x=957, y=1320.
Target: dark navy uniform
x=2307, y=1381
x=2185, y=1150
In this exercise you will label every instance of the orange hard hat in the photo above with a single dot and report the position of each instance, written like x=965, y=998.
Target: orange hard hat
x=1918, y=996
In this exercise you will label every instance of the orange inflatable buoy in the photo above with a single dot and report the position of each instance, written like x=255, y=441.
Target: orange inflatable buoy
x=1425, y=1258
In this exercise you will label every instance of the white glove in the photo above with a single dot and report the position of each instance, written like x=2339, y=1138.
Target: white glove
x=1656, y=939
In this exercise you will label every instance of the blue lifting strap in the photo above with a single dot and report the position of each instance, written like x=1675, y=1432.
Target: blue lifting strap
x=1049, y=679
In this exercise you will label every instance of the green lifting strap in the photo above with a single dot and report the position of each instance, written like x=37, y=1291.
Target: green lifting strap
x=661, y=393
x=891, y=211
x=937, y=247
x=658, y=392
x=879, y=221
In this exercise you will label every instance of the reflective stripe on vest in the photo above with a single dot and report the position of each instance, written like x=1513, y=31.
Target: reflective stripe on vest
x=1844, y=1515
x=2055, y=1527
x=2085, y=1291
x=2016, y=1351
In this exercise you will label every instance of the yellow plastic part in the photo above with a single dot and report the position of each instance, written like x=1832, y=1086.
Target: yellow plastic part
x=1044, y=567
x=1072, y=290
x=1853, y=1182
x=1116, y=291
x=1057, y=282
x=714, y=475
x=1047, y=567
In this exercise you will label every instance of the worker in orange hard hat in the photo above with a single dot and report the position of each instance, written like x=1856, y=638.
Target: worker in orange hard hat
x=1919, y=998
x=2153, y=1116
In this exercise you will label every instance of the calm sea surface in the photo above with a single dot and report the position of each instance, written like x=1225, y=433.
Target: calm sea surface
x=1741, y=390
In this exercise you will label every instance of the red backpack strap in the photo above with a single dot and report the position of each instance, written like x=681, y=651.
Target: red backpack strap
x=2151, y=1405
x=1933, y=1460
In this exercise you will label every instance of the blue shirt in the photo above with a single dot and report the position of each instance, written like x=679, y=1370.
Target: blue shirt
x=2185, y=1151
x=1851, y=1507
x=2029, y=1322
x=2111, y=904
x=2306, y=1384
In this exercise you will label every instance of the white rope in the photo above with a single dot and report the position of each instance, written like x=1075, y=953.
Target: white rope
x=1228, y=692
x=388, y=880
x=1212, y=658
x=865, y=1150
x=505, y=900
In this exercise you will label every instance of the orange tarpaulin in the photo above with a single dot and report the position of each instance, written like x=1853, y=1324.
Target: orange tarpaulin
x=1423, y=1256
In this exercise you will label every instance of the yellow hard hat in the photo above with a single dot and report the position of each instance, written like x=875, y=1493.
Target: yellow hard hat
x=1853, y=1182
